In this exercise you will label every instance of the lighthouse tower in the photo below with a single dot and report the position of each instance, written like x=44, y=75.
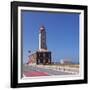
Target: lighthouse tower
x=43, y=55
x=42, y=39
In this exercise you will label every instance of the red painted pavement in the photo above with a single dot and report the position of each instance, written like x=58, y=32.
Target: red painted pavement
x=35, y=73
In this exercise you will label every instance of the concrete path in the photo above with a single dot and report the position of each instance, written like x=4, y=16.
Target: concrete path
x=39, y=71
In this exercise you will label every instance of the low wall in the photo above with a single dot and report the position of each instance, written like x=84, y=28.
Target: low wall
x=66, y=68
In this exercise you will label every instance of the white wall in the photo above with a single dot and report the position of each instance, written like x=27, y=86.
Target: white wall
x=5, y=46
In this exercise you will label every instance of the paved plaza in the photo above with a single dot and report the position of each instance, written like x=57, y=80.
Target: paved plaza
x=34, y=70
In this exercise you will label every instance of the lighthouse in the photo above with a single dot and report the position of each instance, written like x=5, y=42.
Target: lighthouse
x=42, y=56
x=42, y=39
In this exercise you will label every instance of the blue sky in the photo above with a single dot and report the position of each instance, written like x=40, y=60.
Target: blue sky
x=62, y=30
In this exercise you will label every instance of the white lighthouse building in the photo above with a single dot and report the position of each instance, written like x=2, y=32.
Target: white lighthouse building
x=42, y=56
x=42, y=39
